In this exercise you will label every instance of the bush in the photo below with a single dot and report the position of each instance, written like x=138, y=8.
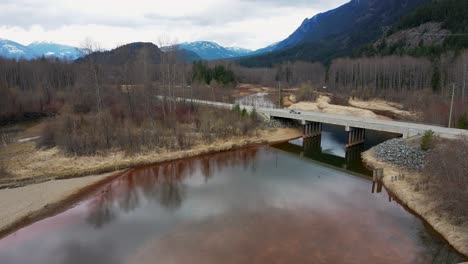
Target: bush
x=99, y=133
x=446, y=177
x=427, y=141
x=463, y=121
x=254, y=115
x=244, y=112
x=236, y=108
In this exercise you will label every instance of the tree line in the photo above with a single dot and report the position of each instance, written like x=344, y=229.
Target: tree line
x=44, y=87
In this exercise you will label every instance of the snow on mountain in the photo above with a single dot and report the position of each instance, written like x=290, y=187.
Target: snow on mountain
x=239, y=51
x=13, y=50
x=212, y=51
x=50, y=49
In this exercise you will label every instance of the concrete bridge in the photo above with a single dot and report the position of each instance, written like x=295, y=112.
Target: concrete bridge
x=355, y=126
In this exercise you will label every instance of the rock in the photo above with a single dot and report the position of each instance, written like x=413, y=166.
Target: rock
x=398, y=152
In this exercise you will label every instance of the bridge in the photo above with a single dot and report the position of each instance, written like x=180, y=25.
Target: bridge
x=355, y=126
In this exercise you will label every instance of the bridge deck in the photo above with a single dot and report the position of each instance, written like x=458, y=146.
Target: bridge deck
x=406, y=129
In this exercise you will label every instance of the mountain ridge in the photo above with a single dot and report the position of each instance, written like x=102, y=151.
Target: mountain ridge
x=14, y=50
x=209, y=50
x=337, y=32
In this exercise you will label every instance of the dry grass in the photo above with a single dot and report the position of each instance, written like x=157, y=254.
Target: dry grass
x=30, y=165
x=446, y=178
x=428, y=195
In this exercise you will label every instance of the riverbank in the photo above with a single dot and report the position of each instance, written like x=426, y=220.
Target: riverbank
x=22, y=206
x=28, y=165
x=43, y=182
x=406, y=190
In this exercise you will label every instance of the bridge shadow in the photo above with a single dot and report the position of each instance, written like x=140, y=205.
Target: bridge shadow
x=311, y=148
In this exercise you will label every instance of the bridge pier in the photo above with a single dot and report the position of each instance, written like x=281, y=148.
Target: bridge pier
x=313, y=145
x=356, y=136
x=312, y=129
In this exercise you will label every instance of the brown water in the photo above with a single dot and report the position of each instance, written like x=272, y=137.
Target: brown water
x=283, y=204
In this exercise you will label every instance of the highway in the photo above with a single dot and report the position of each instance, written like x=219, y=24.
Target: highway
x=406, y=129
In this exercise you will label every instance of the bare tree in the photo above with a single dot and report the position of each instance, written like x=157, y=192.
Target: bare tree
x=88, y=47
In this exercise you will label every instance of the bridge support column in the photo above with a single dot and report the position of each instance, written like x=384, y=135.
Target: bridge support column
x=312, y=129
x=356, y=136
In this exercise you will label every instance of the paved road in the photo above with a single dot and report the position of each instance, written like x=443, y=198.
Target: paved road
x=406, y=129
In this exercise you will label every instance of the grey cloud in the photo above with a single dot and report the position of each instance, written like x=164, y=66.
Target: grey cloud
x=25, y=13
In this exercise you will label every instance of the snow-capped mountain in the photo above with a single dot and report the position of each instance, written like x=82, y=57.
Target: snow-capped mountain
x=211, y=51
x=267, y=49
x=239, y=51
x=13, y=50
x=49, y=49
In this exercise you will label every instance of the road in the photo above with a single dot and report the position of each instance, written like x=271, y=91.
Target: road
x=407, y=129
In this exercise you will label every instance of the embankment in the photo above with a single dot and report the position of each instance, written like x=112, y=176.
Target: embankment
x=421, y=203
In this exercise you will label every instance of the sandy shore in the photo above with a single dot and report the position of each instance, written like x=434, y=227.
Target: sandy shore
x=380, y=105
x=44, y=182
x=323, y=105
x=420, y=203
x=22, y=206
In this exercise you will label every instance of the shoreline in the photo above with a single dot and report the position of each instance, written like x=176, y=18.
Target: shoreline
x=20, y=206
x=418, y=202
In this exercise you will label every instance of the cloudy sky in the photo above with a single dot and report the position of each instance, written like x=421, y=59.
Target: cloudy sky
x=244, y=23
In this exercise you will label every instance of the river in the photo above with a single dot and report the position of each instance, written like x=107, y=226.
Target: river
x=295, y=202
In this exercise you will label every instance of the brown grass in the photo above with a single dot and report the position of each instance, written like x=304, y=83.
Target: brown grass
x=446, y=178
x=30, y=165
x=440, y=199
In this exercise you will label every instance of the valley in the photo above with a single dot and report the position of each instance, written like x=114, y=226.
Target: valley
x=150, y=134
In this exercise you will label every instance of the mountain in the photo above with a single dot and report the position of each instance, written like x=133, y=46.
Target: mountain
x=429, y=30
x=188, y=56
x=211, y=51
x=12, y=50
x=337, y=32
x=238, y=52
x=49, y=49
x=128, y=53
x=267, y=49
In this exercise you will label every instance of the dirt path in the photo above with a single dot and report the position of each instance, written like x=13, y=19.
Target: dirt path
x=419, y=202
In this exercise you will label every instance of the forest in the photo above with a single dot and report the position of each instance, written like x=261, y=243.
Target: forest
x=98, y=106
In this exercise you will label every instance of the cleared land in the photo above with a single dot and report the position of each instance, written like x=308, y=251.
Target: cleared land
x=384, y=106
x=323, y=105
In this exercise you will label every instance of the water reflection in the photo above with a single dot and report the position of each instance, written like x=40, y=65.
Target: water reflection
x=311, y=148
x=258, y=205
x=164, y=184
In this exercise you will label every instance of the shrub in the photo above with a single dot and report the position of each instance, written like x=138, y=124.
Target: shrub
x=244, y=112
x=99, y=133
x=427, y=141
x=446, y=176
x=236, y=108
x=463, y=121
x=254, y=115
